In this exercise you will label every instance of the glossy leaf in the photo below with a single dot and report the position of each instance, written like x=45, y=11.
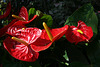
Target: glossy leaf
x=79, y=64
x=93, y=22
x=86, y=14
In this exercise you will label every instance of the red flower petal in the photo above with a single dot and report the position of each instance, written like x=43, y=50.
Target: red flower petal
x=74, y=37
x=81, y=24
x=12, y=29
x=20, y=51
x=44, y=42
x=88, y=33
x=4, y=29
x=23, y=13
x=15, y=26
x=25, y=22
x=32, y=18
x=29, y=34
x=7, y=11
x=62, y=31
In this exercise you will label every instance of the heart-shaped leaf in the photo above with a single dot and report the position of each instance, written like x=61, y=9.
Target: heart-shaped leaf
x=85, y=14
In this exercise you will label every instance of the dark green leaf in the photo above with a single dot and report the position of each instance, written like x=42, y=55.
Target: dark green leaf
x=48, y=19
x=39, y=13
x=86, y=14
x=32, y=12
x=79, y=64
x=20, y=64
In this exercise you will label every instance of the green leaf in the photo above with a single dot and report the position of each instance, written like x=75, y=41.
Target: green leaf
x=93, y=52
x=86, y=14
x=93, y=22
x=45, y=18
x=66, y=56
x=79, y=64
x=48, y=19
x=32, y=12
x=32, y=64
x=20, y=64
x=40, y=19
x=86, y=44
x=39, y=13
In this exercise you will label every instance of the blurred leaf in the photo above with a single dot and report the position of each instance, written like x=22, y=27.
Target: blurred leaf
x=39, y=13
x=32, y=64
x=48, y=19
x=66, y=56
x=20, y=64
x=40, y=19
x=93, y=52
x=86, y=44
x=32, y=12
x=93, y=22
x=87, y=15
x=79, y=64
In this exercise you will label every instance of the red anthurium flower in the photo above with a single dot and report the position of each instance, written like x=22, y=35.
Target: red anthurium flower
x=44, y=41
x=20, y=47
x=80, y=33
x=30, y=41
x=15, y=24
x=11, y=24
x=23, y=13
x=7, y=11
x=23, y=17
x=23, y=20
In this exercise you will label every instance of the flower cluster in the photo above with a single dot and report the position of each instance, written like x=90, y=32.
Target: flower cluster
x=25, y=43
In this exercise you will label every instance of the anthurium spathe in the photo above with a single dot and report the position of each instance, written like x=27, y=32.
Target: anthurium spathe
x=27, y=42
x=18, y=23
x=23, y=14
x=45, y=40
x=22, y=20
x=80, y=33
x=23, y=17
x=19, y=46
x=7, y=11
